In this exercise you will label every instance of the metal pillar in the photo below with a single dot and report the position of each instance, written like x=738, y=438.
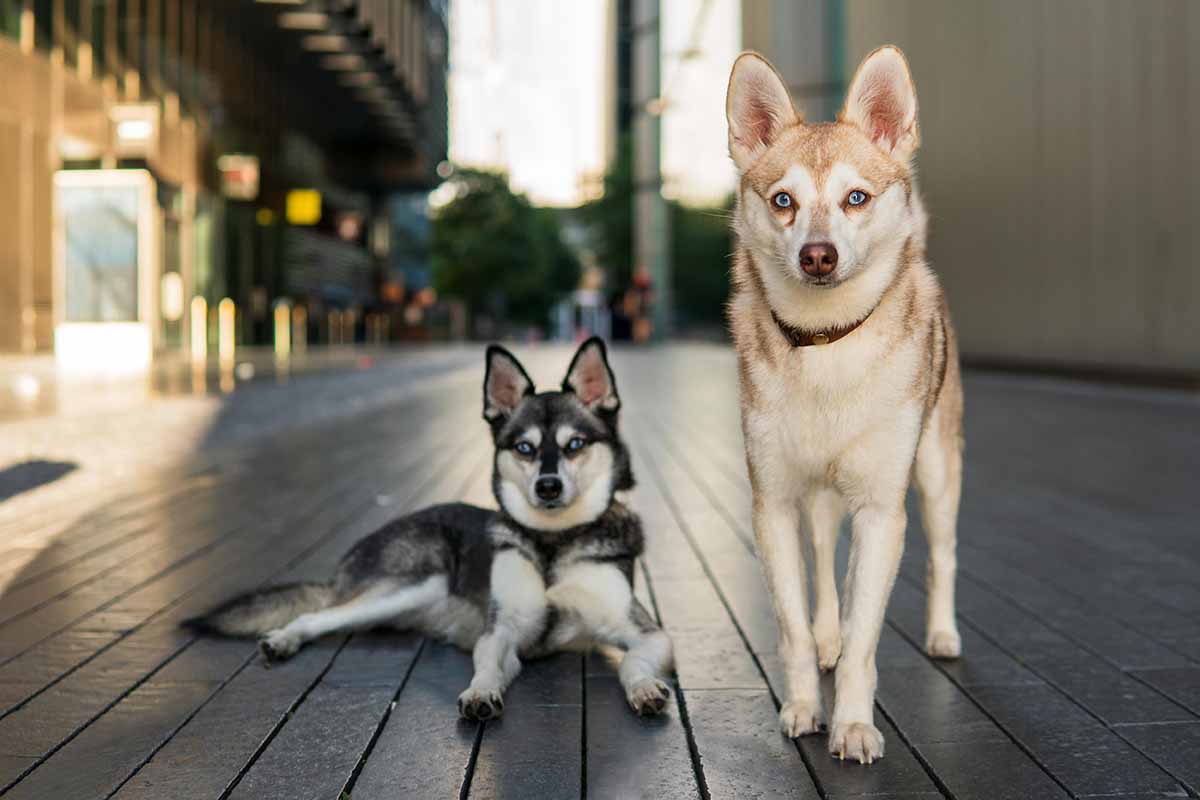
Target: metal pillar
x=651, y=223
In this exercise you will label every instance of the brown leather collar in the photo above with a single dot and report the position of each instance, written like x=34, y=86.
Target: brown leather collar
x=799, y=338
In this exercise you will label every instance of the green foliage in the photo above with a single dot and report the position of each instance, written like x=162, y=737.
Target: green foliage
x=499, y=254
x=701, y=242
x=610, y=219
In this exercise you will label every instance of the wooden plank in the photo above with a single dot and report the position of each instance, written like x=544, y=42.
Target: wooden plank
x=424, y=748
x=79, y=713
x=205, y=755
x=94, y=763
x=741, y=749
x=370, y=662
x=536, y=748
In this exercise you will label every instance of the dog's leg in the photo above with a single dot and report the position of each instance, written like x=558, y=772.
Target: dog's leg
x=939, y=481
x=596, y=604
x=517, y=617
x=378, y=604
x=825, y=511
x=648, y=658
x=875, y=550
x=777, y=534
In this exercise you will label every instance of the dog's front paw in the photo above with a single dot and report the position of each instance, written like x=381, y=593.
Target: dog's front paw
x=801, y=717
x=648, y=696
x=480, y=704
x=857, y=741
x=943, y=644
x=278, y=645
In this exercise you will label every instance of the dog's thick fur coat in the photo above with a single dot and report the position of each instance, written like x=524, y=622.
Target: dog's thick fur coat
x=841, y=427
x=551, y=570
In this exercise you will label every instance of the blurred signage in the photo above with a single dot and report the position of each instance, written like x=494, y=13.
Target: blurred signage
x=303, y=207
x=239, y=176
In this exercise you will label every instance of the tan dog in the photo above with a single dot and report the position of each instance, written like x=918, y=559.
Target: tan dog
x=849, y=377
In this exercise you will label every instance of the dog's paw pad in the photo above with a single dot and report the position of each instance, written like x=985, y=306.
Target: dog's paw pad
x=278, y=646
x=943, y=644
x=480, y=705
x=801, y=717
x=648, y=697
x=856, y=741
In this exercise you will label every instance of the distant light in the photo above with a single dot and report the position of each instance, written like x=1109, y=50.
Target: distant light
x=72, y=148
x=110, y=348
x=134, y=130
x=346, y=61
x=26, y=387
x=303, y=21
x=324, y=43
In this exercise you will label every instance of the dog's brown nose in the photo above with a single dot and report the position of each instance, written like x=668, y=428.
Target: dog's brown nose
x=818, y=259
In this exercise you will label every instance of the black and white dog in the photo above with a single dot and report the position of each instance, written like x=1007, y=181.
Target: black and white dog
x=551, y=570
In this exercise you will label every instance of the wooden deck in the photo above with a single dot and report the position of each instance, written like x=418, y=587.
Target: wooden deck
x=1079, y=597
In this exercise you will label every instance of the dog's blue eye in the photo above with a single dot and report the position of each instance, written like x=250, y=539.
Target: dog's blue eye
x=575, y=444
x=524, y=448
x=856, y=198
x=782, y=200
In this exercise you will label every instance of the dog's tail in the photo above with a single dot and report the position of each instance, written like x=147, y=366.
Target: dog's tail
x=255, y=613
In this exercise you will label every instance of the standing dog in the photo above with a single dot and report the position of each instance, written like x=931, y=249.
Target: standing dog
x=552, y=570
x=849, y=377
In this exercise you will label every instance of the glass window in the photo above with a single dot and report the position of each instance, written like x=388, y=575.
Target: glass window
x=100, y=258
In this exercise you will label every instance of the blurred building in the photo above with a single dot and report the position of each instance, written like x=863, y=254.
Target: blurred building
x=1058, y=161
x=157, y=152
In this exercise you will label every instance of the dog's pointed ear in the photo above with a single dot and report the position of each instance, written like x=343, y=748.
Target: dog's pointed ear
x=505, y=384
x=590, y=379
x=757, y=107
x=882, y=103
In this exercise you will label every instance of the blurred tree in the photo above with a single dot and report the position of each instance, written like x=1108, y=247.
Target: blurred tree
x=701, y=242
x=499, y=254
x=610, y=219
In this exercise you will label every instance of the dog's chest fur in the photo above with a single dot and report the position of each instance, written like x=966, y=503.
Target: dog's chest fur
x=827, y=414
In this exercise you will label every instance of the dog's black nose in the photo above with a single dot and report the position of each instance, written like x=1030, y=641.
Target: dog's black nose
x=548, y=487
x=818, y=259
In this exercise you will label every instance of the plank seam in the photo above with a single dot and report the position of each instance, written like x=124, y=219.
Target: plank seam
x=684, y=720
x=348, y=788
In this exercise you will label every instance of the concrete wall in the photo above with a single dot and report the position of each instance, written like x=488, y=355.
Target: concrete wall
x=1061, y=166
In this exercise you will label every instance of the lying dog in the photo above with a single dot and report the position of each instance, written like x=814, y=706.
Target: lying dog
x=849, y=377
x=552, y=570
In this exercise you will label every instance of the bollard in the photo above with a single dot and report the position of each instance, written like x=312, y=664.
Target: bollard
x=283, y=330
x=199, y=330
x=226, y=317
